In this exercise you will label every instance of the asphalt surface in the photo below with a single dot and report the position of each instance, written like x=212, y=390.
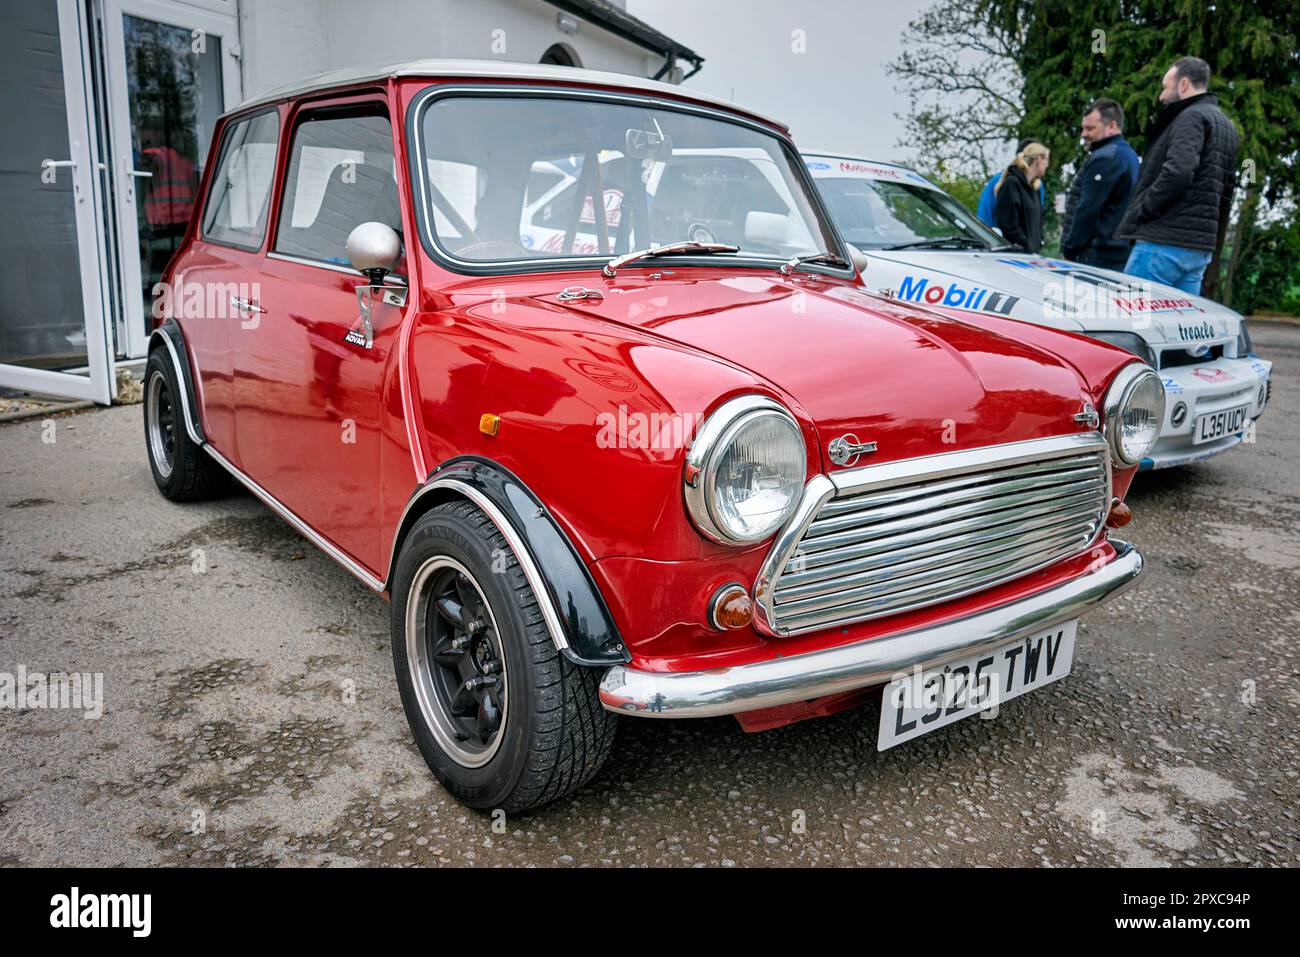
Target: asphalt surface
x=250, y=714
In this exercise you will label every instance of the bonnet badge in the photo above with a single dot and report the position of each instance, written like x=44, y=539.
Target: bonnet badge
x=847, y=449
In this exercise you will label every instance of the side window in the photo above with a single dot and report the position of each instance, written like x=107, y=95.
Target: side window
x=235, y=213
x=340, y=175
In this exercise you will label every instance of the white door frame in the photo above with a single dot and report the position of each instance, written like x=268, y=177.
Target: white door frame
x=99, y=384
x=225, y=26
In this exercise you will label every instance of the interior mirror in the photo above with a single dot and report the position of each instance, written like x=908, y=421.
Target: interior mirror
x=858, y=258
x=768, y=229
x=649, y=145
x=374, y=250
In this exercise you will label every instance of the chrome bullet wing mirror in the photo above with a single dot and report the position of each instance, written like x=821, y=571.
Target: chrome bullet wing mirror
x=373, y=249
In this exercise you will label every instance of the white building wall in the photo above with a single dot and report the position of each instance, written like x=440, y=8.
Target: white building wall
x=284, y=40
x=281, y=40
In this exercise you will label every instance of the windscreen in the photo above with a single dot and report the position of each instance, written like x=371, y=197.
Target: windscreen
x=534, y=178
x=883, y=214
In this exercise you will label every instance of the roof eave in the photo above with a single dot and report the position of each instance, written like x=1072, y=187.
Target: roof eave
x=632, y=29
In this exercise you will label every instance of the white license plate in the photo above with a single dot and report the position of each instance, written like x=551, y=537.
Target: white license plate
x=919, y=701
x=1215, y=425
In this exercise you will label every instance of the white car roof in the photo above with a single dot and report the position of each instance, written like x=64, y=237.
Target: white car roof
x=488, y=70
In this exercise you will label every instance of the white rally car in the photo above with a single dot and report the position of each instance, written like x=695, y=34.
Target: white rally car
x=924, y=246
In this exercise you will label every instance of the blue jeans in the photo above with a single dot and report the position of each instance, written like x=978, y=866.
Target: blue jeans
x=1175, y=266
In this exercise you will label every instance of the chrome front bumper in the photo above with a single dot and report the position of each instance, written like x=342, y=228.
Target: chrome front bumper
x=768, y=684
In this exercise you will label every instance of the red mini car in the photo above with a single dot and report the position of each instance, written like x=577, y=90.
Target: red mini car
x=574, y=368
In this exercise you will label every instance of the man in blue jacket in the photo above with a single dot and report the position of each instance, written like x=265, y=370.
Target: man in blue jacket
x=1100, y=192
x=988, y=204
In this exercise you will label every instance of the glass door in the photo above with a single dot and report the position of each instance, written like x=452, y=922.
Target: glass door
x=54, y=326
x=172, y=70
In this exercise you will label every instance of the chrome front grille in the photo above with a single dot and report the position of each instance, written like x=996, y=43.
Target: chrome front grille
x=886, y=539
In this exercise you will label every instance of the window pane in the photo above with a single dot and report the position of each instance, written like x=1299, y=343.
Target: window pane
x=876, y=213
x=42, y=316
x=340, y=176
x=174, y=89
x=241, y=190
x=511, y=178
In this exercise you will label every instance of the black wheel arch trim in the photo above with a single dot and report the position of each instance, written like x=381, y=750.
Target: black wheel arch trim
x=169, y=336
x=575, y=611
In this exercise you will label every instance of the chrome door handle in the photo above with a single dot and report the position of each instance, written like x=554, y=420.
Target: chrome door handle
x=57, y=164
x=243, y=305
x=140, y=173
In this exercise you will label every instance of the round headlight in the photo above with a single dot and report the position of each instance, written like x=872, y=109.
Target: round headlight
x=745, y=471
x=1135, y=409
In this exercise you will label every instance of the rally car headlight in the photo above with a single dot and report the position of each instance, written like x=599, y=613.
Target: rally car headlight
x=745, y=471
x=1135, y=407
x=1129, y=342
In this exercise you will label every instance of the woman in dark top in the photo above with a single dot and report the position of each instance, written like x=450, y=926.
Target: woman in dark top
x=1019, y=211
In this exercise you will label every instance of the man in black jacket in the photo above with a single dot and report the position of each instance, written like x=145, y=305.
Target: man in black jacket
x=1100, y=192
x=1180, y=207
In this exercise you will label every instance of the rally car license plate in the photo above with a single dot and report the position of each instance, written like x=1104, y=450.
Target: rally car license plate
x=1215, y=425
x=924, y=699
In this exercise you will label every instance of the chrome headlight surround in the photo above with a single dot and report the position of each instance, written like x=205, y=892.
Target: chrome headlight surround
x=1119, y=403
x=700, y=474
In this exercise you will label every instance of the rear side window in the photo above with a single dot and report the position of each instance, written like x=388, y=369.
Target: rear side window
x=237, y=204
x=340, y=175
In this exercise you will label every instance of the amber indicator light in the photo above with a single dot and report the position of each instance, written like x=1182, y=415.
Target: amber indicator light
x=489, y=424
x=730, y=608
x=1120, y=515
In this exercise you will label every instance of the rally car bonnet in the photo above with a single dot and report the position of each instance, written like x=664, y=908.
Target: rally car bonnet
x=1044, y=290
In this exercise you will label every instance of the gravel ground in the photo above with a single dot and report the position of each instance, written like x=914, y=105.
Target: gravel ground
x=250, y=714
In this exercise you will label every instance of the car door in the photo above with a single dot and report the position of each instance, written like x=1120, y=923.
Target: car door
x=307, y=386
x=213, y=285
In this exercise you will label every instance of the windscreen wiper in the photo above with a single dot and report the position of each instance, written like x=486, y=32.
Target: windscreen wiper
x=688, y=247
x=964, y=241
x=828, y=259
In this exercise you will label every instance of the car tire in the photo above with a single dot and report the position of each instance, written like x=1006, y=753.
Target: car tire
x=181, y=469
x=532, y=730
